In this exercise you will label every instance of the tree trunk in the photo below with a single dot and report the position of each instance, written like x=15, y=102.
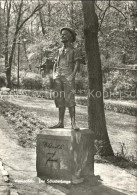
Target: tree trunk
x=18, y=27
x=96, y=115
x=25, y=50
x=8, y=72
x=8, y=6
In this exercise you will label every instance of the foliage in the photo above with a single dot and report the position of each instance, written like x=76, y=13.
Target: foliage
x=39, y=37
x=44, y=45
x=81, y=84
x=116, y=106
x=25, y=123
x=120, y=85
x=117, y=35
x=16, y=13
x=32, y=81
x=121, y=107
x=47, y=82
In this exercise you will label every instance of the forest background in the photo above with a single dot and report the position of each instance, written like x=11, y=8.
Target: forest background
x=30, y=37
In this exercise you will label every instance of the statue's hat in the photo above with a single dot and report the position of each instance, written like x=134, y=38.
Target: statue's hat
x=71, y=31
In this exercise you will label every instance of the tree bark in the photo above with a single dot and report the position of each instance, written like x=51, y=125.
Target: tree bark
x=96, y=115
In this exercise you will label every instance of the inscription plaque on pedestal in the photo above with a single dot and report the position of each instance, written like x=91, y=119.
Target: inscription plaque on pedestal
x=63, y=154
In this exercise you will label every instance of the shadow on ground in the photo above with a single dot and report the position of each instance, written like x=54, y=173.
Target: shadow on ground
x=87, y=188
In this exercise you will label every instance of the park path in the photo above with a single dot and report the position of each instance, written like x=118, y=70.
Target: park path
x=20, y=162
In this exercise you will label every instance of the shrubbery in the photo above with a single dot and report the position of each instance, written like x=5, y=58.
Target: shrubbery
x=81, y=83
x=116, y=106
x=120, y=107
x=26, y=124
x=120, y=85
x=117, y=84
x=32, y=81
x=47, y=82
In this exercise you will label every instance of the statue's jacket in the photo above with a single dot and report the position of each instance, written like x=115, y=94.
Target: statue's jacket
x=71, y=55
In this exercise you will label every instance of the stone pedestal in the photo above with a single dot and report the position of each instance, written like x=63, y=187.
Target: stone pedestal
x=64, y=154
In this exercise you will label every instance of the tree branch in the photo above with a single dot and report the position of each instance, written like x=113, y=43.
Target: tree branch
x=98, y=7
x=25, y=10
x=103, y=16
x=119, y=11
x=15, y=7
x=5, y=6
x=108, y=7
x=34, y=11
x=19, y=15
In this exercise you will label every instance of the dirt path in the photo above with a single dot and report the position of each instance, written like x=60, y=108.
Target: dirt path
x=20, y=162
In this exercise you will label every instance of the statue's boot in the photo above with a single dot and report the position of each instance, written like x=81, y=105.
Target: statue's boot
x=72, y=116
x=61, y=119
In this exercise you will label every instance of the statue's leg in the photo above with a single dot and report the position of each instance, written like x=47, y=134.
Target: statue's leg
x=72, y=116
x=61, y=119
x=69, y=88
x=60, y=102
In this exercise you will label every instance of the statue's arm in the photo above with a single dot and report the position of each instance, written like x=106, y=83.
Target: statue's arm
x=77, y=64
x=77, y=57
x=55, y=65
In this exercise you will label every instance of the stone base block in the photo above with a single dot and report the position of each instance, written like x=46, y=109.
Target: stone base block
x=64, y=154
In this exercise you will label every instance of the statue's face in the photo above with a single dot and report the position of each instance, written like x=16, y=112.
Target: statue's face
x=66, y=36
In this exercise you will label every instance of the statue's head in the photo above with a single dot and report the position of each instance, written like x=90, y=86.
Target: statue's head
x=68, y=34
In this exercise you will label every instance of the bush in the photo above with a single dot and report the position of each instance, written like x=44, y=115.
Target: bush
x=32, y=81
x=120, y=107
x=25, y=123
x=81, y=85
x=47, y=82
x=121, y=84
x=116, y=106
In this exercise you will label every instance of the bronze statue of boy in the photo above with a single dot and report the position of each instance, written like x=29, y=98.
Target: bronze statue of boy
x=64, y=72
